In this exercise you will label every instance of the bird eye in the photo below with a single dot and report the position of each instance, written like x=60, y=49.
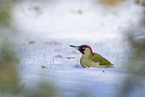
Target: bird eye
x=83, y=48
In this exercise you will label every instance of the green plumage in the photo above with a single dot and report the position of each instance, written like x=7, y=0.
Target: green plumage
x=100, y=59
x=95, y=61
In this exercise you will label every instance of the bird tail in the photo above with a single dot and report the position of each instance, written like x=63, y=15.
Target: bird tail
x=111, y=66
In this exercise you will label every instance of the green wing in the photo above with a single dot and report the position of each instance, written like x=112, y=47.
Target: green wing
x=100, y=59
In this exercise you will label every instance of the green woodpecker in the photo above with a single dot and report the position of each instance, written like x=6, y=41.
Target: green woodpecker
x=89, y=58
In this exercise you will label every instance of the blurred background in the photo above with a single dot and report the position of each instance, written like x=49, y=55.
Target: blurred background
x=36, y=60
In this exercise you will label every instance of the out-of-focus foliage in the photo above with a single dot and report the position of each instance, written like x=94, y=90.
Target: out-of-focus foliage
x=5, y=13
x=9, y=82
x=8, y=59
x=44, y=89
x=136, y=63
x=115, y=2
x=8, y=75
x=110, y=2
x=140, y=2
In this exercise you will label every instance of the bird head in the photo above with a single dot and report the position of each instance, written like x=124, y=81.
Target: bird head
x=84, y=49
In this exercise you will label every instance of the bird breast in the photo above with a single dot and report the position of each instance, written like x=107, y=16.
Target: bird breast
x=88, y=63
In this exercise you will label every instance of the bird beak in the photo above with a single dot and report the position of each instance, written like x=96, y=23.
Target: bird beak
x=76, y=47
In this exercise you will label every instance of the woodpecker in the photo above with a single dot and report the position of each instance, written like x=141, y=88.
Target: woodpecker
x=90, y=59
